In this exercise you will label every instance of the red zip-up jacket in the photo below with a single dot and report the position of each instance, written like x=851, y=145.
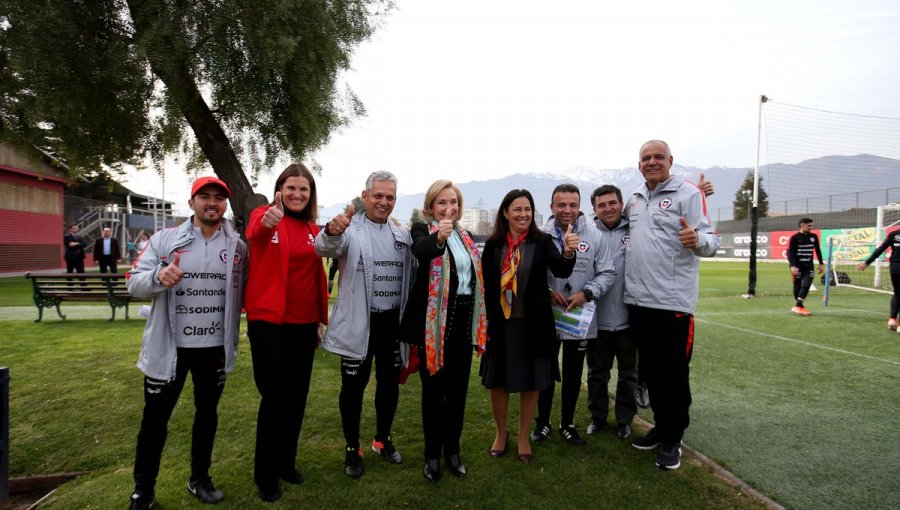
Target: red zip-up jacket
x=265, y=296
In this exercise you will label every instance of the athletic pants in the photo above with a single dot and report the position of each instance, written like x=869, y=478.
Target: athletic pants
x=610, y=346
x=803, y=281
x=664, y=341
x=384, y=344
x=207, y=368
x=895, y=299
x=282, y=366
x=572, y=367
x=444, y=393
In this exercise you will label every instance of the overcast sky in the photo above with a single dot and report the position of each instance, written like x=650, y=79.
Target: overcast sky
x=473, y=90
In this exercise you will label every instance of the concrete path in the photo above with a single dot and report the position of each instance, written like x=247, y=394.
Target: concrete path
x=71, y=311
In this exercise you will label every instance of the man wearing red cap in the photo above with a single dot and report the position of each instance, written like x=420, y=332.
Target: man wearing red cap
x=195, y=274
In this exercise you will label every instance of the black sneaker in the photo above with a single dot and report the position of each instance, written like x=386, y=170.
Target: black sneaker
x=669, y=456
x=642, y=396
x=595, y=426
x=648, y=442
x=205, y=491
x=386, y=450
x=141, y=502
x=623, y=431
x=541, y=433
x=571, y=435
x=353, y=463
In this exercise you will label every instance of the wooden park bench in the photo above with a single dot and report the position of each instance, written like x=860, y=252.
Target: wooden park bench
x=52, y=289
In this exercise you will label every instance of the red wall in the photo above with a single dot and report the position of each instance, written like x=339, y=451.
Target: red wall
x=30, y=240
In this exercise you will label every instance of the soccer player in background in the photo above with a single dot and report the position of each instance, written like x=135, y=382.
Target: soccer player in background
x=892, y=240
x=800, y=257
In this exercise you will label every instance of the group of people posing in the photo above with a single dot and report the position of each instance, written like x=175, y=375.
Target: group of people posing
x=425, y=297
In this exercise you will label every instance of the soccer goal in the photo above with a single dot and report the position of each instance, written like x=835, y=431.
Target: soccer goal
x=838, y=169
x=847, y=250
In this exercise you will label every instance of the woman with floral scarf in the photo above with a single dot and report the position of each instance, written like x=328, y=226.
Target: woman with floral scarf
x=444, y=319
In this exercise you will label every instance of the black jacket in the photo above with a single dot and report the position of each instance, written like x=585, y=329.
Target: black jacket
x=538, y=312
x=425, y=249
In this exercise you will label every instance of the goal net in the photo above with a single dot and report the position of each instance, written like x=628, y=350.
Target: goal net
x=836, y=169
x=846, y=251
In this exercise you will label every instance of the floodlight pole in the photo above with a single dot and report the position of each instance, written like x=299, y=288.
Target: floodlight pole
x=754, y=213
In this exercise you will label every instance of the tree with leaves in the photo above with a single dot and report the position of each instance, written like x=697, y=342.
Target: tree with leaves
x=231, y=83
x=415, y=217
x=743, y=199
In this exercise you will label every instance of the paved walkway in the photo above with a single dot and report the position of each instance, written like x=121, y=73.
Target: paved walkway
x=71, y=311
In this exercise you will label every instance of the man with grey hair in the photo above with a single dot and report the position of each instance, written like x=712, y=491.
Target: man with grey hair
x=375, y=264
x=668, y=233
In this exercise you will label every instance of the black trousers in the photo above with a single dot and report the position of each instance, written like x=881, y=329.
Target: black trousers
x=384, y=344
x=107, y=264
x=895, y=299
x=608, y=347
x=283, y=357
x=803, y=281
x=572, y=367
x=444, y=393
x=75, y=265
x=207, y=368
x=665, y=341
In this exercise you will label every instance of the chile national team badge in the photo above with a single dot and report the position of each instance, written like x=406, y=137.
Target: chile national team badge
x=665, y=203
x=583, y=247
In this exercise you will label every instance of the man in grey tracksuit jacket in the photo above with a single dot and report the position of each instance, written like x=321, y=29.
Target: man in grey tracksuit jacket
x=375, y=265
x=668, y=233
x=614, y=342
x=591, y=278
x=195, y=275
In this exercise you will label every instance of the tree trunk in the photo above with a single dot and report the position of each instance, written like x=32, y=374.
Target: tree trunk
x=166, y=46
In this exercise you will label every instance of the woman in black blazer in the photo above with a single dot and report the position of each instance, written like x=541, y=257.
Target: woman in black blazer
x=444, y=318
x=521, y=328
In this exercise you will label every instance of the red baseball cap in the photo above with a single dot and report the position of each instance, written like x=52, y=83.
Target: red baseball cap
x=206, y=181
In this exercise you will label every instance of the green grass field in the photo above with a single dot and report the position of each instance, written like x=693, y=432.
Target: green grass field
x=803, y=408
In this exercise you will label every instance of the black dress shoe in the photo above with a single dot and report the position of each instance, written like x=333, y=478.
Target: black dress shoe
x=432, y=470
x=455, y=465
x=500, y=453
x=269, y=495
x=292, y=477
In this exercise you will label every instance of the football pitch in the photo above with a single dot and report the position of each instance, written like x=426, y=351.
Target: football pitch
x=803, y=408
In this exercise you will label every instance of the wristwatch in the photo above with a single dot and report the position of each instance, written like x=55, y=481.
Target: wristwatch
x=588, y=294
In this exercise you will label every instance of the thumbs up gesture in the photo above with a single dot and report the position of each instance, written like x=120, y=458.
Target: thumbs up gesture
x=570, y=242
x=170, y=275
x=687, y=235
x=706, y=186
x=274, y=214
x=445, y=226
x=339, y=223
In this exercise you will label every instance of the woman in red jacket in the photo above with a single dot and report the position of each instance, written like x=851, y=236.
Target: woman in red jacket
x=283, y=325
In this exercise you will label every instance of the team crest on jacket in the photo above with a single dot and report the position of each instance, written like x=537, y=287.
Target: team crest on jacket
x=583, y=247
x=275, y=237
x=223, y=256
x=665, y=203
x=398, y=246
x=625, y=239
x=312, y=240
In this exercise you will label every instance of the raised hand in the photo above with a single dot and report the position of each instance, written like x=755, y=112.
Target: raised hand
x=170, y=275
x=706, y=186
x=688, y=235
x=339, y=223
x=275, y=213
x=570, y=242
x=445, y=226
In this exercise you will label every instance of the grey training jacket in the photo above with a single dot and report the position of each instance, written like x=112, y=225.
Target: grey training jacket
x=348, y=326
x=659, y=272
x=612, y=314
x=593, y=264
x=158, y=352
